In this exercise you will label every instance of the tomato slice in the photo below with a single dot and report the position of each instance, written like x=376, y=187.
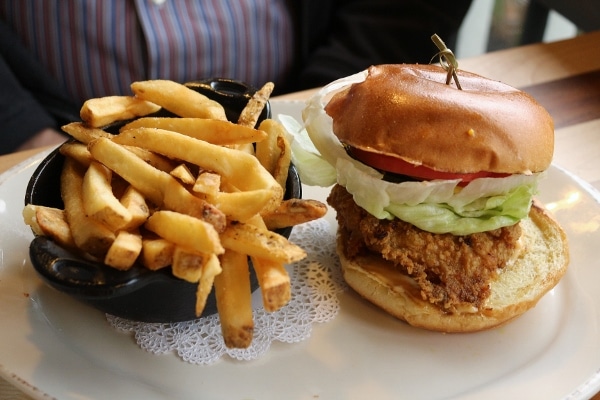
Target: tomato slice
x=398, y=166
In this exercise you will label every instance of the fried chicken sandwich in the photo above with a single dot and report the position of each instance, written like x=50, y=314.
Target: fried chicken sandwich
x=434, y=194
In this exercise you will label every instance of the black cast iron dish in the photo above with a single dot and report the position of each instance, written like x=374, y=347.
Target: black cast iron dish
x=137, y=294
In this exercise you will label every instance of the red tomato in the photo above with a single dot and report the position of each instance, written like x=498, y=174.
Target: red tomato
x=398, y=166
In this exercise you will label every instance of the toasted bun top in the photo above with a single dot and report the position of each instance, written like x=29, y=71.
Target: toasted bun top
x=409, y=112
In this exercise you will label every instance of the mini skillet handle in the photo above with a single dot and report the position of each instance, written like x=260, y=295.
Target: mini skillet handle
x=73, y=274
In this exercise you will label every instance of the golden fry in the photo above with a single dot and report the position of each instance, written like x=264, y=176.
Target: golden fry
x=88, y=234
x=294, y=212
x=178, y=198
x=145, y=178
x=187, y=265
x=250, y=114
x=158, y=186
x=157, y=253
x=99, y=201
x=207, y=183
x=51, y=222
x=211, y=269
x=219, y=132
x=234, y=300
x=178, y=99
x=103, y=111
x=186, y=231
x=84, y=133
x=77, y=151
x=183, y=173
x=274, y=282
x=275, y=153
x=156, y=160
x=136, y=204
x=240, y=206
x=124, y=250
x=240, y=169
x=262, y=243
x=273, y=278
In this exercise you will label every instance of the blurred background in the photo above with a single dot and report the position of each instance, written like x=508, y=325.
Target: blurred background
x=498, y=24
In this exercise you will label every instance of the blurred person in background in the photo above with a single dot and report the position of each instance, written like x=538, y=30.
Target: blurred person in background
x=55, y=54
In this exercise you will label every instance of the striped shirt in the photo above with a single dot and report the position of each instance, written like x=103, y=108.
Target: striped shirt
x=98, y=47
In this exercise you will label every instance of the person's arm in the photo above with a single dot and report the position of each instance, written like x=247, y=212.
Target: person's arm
x=32, y=104
x=21, y=116
x=360, y=33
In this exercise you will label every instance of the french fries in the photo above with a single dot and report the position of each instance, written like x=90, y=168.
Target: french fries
x=223, y=133
x=294, y=212
x=99, y=200
x=178, y=99
x=123, y=252
x=187, y=193
x=89, y=235
x=106, y=110
x=234, y=300
x=184, y=230
x=250, y=113
x=261, y=243
x=274, y=153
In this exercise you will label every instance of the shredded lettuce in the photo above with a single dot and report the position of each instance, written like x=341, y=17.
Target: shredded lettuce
x=438, y=206
x=312, y=168
x=441, y=206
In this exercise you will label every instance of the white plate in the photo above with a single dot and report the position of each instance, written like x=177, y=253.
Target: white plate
x=53, y=346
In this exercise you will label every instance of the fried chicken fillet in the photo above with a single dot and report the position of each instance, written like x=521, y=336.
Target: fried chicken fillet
x=451, y=271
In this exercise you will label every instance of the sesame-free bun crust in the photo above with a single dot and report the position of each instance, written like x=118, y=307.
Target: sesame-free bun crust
x=516, y=289
x=408, y=111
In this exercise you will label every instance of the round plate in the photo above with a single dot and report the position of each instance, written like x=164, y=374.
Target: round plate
x=551, y=352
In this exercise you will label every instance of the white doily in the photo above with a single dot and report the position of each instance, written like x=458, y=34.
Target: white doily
x=316, y=282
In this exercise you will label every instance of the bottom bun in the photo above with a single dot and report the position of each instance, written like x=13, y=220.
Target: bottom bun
x=516, y=289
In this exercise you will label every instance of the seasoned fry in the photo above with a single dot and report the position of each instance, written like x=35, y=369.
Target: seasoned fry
x=145, y=178
x=99, y=201
x=207, y=183
x=103, y=111
x=178, y=198
x=88, y=234
x=156, y=160
x=83, y=133
x=183, y=173
x=240, y=206
x=185, y=231
x=136, y=204
x=77, y=151
x=262, y=243
x=187, y=265
x=250, y=114
x=211, y=269
x=124, y=250
x=49, y=222
x=157, y=253
x=178, y=99
x=273, y=278
x=294, y=212
x=274, y=282
x=213, y=131
x=275, y=153
x=158, y=186
x=234, y=300
x=240, y=169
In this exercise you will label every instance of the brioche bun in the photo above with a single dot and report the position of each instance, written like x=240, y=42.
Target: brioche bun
x=408, y=111
x=541, y=264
